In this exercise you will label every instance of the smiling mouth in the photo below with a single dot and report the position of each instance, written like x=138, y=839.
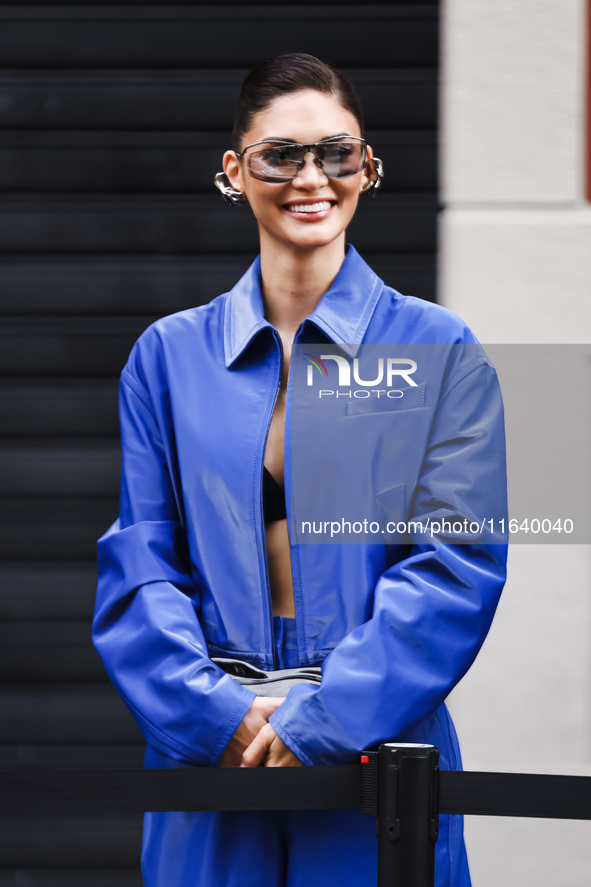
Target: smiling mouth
x=317, y=206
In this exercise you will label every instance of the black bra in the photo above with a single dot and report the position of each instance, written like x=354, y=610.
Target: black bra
x=273, y=498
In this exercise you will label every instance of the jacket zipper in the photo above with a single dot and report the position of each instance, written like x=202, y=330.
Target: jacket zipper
x=268, y=584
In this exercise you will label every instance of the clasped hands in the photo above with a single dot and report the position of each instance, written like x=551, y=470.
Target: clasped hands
x=255, y=743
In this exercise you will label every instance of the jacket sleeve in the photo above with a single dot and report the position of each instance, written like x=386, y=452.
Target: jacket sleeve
x=431, y=610
x=145, y=625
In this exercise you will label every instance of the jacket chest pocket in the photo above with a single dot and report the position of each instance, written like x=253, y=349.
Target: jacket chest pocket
x=395, y=400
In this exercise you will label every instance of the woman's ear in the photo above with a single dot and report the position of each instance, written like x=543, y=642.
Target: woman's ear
x=372, y=174
x=369, y=173
x=233, y=170
x=229, y=182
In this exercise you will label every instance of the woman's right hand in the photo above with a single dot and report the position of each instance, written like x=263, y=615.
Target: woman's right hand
x=255, y=718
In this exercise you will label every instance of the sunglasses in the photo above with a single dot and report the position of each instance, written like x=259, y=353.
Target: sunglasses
x=280, y=161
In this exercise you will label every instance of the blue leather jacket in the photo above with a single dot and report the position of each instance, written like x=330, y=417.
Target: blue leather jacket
x=182, y=572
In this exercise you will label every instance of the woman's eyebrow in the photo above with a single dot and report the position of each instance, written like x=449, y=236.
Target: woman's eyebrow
x=279, y=139
x=338, y=135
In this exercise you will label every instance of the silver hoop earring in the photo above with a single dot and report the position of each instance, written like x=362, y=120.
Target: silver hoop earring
x=230, y=194
x=376, y=182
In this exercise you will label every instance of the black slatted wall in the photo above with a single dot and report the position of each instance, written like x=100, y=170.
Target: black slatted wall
x=113, y=120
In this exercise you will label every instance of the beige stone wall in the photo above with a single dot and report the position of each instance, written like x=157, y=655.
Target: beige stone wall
x=515, y=249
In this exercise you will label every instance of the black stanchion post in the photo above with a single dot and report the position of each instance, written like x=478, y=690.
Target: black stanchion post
x=407, y=823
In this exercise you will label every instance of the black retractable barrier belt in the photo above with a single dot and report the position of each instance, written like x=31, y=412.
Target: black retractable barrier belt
x=291, y=788
x=129, y=791
x=515, y=794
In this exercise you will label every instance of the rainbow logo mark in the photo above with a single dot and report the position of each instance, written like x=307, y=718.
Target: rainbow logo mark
x=314, y=361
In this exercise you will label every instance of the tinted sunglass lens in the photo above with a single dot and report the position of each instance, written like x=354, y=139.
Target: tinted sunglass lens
x=343, y=159
x=278, y=163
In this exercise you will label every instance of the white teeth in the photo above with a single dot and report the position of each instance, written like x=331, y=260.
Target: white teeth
x=310, y=207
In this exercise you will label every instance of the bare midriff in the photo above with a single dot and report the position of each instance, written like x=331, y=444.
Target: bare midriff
x=276, y=533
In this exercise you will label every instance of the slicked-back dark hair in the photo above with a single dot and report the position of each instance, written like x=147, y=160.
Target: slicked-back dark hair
x=288, y=73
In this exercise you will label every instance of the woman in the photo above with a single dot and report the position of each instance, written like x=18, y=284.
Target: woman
x=203, y=562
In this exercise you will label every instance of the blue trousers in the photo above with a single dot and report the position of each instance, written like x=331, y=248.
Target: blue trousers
x=295, y=848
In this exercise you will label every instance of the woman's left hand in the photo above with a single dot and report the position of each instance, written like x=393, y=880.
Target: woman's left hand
x=268, y=750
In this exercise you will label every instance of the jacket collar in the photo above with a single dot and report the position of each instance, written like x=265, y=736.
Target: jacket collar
x=343, y=312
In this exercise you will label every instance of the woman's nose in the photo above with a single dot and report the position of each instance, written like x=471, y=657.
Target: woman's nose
x=311, y=174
